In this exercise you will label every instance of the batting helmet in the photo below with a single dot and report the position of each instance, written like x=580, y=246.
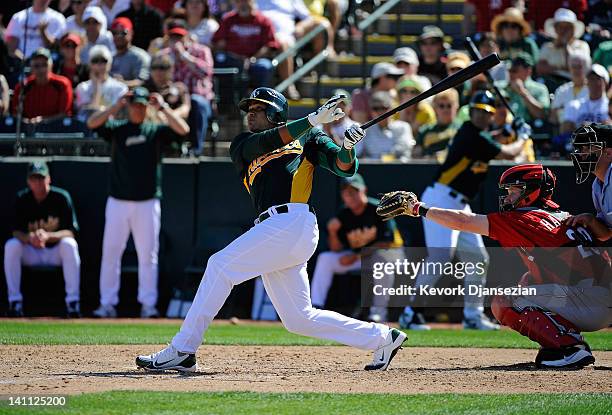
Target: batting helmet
x=277, y=107
x=483, y=100
x=589, y=142
x=537, y=183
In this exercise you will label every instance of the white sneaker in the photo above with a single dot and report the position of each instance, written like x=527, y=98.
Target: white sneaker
x=384, y=355
x=480, y=322
x=168, y=359
x=105, y=311
x=148, y=311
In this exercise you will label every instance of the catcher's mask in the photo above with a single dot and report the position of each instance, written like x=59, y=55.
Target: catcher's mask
x=589, y=141
x=277, y=107
x=537, y=183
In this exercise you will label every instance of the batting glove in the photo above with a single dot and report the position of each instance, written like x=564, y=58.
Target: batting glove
x=327, y=112
x=352, y=136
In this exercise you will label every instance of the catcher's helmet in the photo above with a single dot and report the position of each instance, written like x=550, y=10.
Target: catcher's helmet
x=537, y=182
x=589, y=141
x=483, y=100
x=277, y=107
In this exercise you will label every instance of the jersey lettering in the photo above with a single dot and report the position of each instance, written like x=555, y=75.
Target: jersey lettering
x=294, y=147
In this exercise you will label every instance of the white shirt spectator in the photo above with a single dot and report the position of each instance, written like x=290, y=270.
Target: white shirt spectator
x=283, y=15
x=111, y=13
x=394, y=142
x=204, y=32
x=16, y=28
x=582, y=111
x=566, y=93
x=88, y=99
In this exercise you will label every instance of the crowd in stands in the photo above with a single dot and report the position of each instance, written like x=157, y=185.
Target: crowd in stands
x=83, y=55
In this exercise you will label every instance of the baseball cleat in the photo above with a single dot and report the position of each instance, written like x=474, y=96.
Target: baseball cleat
x=168, y=359
x=73, y=309
x=480, y=322
x=15, y=309
x=413, y=321
x=571, y=357
x=149, y=312
x=105, y=311
x=384, y=355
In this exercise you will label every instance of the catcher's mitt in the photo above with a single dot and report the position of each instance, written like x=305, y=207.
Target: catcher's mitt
x=397, y=203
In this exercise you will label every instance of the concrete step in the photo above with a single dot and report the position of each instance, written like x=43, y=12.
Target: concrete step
x=412, y=24
x=350, y=66
x=308, y=85
x=381, y=45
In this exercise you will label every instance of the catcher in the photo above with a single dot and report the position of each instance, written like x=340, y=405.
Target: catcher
x=528, y=220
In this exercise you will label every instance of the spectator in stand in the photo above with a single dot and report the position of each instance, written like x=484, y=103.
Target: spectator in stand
x=45, y=25
x=43, y=234
x=292, y=20
x=335, y=129
x=101, y=91
x=433, y=50
x=487, y=44
x=245, y=40
x=4, y=97
x=130, y=63
x=174, y=93
x=330, y=9
x=147, y=23
x=384, y=77
x=390, y=139
x=61, y=6
x=456, y=61
x=200, y=24
x=601, y=13
x=95, y=31
x=162, y=42
x=529, y=100
x=76, y=23
x=485, y=11
x=579, y=66
x=593, y=108
x=539, y=11
x=193, y=66
x=603, y=55
x=406, y=59
x=69, y=63
x=46, y=95
x=565, y=30
x=433, y=139
x=111, y=8
x=415, y=115
x=512, y=32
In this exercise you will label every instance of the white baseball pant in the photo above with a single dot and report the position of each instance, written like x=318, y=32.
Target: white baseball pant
x=143, y=220
x=446, y=243
x=277, y=249
x=64, y=253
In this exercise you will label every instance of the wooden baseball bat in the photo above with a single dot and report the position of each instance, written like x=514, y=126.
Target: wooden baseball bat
x=446, y=83
x=475, y=54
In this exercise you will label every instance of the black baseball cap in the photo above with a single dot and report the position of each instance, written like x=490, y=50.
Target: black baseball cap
x=38, y=168
x=355, y=181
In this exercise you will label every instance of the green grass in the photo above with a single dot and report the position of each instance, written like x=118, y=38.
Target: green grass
x=69, y=332
x=236, y=403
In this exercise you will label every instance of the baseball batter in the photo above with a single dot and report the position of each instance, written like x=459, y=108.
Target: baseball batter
x=458, y=181
x=276, y=161
x=593, y=154
x=572, y=276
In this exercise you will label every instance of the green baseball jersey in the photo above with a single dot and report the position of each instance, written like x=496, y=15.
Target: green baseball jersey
x=517, y=103
x=467, y=162
x=135, y=158
x=274, y=173
x=436, y=137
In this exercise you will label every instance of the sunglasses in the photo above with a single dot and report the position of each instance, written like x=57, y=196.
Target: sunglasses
x=409, y=91
x=96, y=61
x=430, y=42
x=69, y=45
x=39, y=65
x=509, y=25
x=160, y=67
x=380, y=109
x=123, y=32
x=444, y=106
x=77, y=2
x=91, y=21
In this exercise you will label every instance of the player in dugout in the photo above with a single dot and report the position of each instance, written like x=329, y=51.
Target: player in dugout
x=571, y=275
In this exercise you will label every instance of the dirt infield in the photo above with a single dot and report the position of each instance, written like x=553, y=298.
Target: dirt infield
x=78, y=369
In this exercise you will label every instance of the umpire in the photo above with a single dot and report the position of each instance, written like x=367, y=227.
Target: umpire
x=456, y=184
x=135, y=190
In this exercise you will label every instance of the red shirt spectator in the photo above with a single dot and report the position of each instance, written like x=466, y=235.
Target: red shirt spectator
x=539, y=11
x=46, y=94
x=245, y=36
x=486, y=10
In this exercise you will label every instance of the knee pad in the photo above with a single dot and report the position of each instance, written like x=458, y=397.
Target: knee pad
x=548, y=329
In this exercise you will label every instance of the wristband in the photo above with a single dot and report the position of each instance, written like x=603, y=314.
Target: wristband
x=346, y=156
x=420, y=209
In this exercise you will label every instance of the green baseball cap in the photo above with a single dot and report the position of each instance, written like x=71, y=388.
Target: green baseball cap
x=524, y=59
x=41, y=52
x=355, y=181
x=38, y=168
x=140, y=95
